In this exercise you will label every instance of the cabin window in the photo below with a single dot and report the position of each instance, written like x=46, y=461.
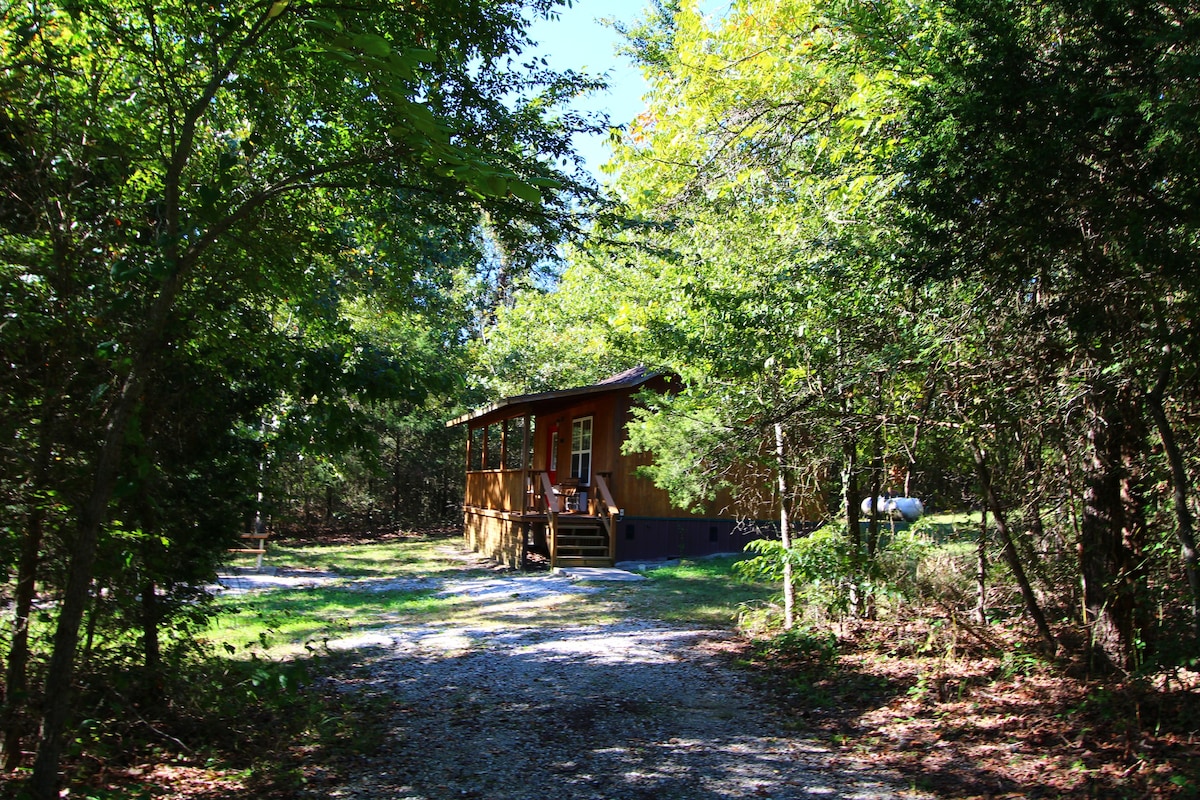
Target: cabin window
x=581, y=449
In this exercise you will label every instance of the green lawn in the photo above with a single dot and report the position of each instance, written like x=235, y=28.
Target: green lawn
x=701, y=592
x=284, y=622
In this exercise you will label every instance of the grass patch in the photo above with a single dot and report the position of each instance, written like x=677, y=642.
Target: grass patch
x=282, y=623
x=414, y=557
x=702, y=592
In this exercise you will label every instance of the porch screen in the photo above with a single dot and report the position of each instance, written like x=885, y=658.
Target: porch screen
x=581, y=449
x=475, y=448
x=494, y=448
x=514, y=438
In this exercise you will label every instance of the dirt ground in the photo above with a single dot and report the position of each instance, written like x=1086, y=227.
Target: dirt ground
x=529, y=699
x=997, y=723
x=534, y=708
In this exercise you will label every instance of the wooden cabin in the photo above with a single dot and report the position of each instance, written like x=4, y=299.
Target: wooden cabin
x=545, y=473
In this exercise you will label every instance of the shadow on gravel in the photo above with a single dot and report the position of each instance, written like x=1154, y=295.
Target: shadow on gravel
x=629, y=710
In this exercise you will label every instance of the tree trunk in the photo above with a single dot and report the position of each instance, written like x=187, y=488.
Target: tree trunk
x=1106, y=564
x=1033, y=507
x=981, y=569
x=876, y=491
x=16, y=673
x=785, y=530
x=396, y=468
x=1011, y=557
x=1134, y=532
x=43, y=783
x=1037, y=529
x=1185, y=531
x=851, y=502
x=150, y=647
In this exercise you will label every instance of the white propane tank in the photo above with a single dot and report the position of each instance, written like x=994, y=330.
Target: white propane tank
x=908, y=509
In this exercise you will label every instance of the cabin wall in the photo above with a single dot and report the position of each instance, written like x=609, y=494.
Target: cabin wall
x=494, y=536
x=639, y=496
x=607, y=434
x=681, y=537
x=651, y=527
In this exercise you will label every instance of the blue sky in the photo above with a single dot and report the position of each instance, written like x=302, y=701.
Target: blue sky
x=578, y=41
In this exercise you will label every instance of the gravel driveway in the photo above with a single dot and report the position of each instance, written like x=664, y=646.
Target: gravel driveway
x=532, y=708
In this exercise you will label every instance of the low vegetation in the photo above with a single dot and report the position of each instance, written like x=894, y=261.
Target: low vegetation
x=961, y=696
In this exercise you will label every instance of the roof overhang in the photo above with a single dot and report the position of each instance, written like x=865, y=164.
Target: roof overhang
x=630, y=379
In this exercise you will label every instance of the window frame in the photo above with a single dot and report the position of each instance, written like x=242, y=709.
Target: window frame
x=581, y=457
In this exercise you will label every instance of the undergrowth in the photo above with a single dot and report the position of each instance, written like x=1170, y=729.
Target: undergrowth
x=964, y=720
x=253, y=723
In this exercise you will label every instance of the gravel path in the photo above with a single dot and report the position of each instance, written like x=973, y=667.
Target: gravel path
x=533, y=709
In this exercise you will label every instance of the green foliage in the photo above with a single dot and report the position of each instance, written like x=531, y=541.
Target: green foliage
x=821, y=566
x=253, y=716
x=830, y=577
x=697, y=435
x=939, y=244
x=199, y=201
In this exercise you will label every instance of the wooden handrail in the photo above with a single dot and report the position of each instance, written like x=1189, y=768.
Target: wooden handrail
x=549, y=494
x=551, y=499
x=608, y=513
x=606, y=497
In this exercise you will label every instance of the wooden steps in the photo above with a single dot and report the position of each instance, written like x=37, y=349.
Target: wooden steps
x=582, y=542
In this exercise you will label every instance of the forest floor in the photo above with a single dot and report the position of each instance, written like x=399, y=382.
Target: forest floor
x=535, y=686
x=994, y=723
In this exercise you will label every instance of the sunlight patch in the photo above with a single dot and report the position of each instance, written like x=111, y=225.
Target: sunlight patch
x=639, y=646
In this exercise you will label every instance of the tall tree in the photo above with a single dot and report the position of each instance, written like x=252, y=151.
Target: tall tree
x=754, y=175
x=1049, y=150
x=151, y=150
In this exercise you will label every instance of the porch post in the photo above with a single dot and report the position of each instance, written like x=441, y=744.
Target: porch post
x=503, y=444
x=525, y=462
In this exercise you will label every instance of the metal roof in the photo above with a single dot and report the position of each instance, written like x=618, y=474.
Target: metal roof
x=628, y=379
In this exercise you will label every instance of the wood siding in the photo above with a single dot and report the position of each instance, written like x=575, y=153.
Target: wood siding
x=606, y=440
x=500, y=489
x=495, y=536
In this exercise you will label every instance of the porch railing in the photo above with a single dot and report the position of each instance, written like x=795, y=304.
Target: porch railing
x=606, y=509
x=500, y=490
x=550, y=501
